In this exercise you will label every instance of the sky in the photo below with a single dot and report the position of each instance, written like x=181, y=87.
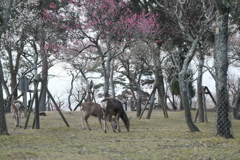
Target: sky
x=60, y=84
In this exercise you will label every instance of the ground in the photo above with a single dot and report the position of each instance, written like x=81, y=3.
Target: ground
x=148, y=139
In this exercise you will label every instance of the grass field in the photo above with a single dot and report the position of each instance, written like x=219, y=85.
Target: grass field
x=149, y=139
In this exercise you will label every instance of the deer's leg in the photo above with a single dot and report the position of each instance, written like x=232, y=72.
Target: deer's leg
x=85, y=117
x=101, y=124
x=105, y=124
x=114, y=124
x=15, y=118
x=117, y=121
x=105, y=120
x=86, y=120
x=100, y=121
x=19, y=118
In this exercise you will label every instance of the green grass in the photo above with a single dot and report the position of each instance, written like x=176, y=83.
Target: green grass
x=148, y=139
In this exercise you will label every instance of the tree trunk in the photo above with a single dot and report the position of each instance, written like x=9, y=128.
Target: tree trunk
x=107, y=68
x=161, y=96
x=173, y=101
x=235, y=106
x=43, y=53
x=151, y=105
x=71, y=89
x=159, y=83
x=36, y=118
x=5, y=18
x=223, y=125
x=134, y=99
x=184, y=96
x=183, y=83
x=106, y=79
x=36, y=80
x=199, y=89
x=111, y=80
x=3, y=125
x=181, y=103
x=13, y=73
x=139, y=101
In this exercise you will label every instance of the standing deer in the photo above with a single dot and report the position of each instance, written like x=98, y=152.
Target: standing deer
x=16, y=110
x=113, y=107
x=93, y=109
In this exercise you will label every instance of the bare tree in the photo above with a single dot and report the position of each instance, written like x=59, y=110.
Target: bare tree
x=133, y=70
x=73, y=76
x=193, y=18
x=223, y=125
x=4, y=17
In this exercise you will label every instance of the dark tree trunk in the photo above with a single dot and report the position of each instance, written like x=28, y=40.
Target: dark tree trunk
x=42, y=104
x=139, y=101
x=106, y=70
x=184, y=97
x=183, y=83
x=134, y=99
x=181, y=104
x=173, y=101
x=71, y=89
x=236, y=105
x=3, y=125
x=162, y=100
x=36, y=119
x=223, y=125
x=112, y=81
x=159, y=83
x=151, y=106
x=13, y=73
x=5, y=18
x=200, y=90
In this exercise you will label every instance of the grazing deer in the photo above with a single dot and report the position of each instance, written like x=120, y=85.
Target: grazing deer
x=93, y=109
x=16, y=110
x=113, y=107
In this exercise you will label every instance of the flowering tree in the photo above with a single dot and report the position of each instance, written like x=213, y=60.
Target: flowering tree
x=103, y=29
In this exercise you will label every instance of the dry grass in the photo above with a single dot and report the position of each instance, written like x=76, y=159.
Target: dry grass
x=157, y=138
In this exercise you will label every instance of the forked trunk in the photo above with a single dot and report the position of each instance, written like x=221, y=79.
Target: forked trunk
x=184, y=96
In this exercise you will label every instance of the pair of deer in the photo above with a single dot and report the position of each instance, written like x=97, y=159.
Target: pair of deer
x=109, y=107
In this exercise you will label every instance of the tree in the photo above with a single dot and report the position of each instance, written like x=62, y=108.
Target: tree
x=48, y=34
x=152, y=57
x=204, y=49
x=4, y=17
x=14, y=52
x=105, y=30
x=223, y=124
x=193, y=18
x=133, y=67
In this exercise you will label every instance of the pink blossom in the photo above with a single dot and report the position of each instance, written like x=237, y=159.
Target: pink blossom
x=52, y=5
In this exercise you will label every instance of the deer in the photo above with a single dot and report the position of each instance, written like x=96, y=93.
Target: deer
x=16, y=110
x=113, y=107
x=94, y=109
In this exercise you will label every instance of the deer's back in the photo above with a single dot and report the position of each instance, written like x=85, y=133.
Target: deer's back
x=92, y=108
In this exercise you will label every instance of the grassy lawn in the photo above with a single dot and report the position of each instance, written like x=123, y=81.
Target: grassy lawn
x=149, y=139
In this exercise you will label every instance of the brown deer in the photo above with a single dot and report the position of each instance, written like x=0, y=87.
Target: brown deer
x=93, y=109
x=16, y=110
x=113, y=107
